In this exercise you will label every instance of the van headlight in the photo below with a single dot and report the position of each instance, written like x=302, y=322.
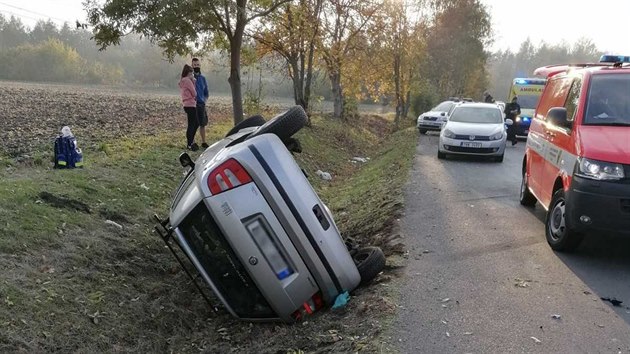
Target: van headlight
x=449, y=134
x=599, y=170
x=496, y=136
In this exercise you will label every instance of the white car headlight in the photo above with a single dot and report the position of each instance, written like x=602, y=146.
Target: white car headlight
x=518, y=119
x=496, y=136
x=449, y=134
x=599, y=170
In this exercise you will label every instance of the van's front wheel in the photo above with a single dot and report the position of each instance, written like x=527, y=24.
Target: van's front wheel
x=558, y=231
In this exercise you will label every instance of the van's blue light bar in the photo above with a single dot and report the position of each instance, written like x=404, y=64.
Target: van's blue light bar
x=614, y=59
x=529, y=81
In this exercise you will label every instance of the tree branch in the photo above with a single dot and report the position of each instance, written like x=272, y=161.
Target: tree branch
x=268, y=11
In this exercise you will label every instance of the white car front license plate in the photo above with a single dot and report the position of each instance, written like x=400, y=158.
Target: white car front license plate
x=471, y=145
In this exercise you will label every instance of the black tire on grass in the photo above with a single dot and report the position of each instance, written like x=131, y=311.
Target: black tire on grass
x=370, y=261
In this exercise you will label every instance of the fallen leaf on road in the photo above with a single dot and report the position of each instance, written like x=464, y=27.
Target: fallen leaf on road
x=448, y=334
x=468, y=333
x=555, y=317
x=536, y=340
x=446, y=299
x=613, y=301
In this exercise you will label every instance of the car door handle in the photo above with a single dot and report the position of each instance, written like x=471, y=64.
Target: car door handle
x=550, y=134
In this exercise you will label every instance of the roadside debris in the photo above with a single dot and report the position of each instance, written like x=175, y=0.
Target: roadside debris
x=520, y=283
x=341, y=300
x=324, y=175
x=113, y=223
x=556, y=317
x=536, y=340
x=360, y=159
x=613, y=301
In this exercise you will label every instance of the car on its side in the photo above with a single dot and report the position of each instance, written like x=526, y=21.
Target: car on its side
x=436, y=117
x=474, y=129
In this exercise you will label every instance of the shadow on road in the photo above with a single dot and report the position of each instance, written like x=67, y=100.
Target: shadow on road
x=602, y=262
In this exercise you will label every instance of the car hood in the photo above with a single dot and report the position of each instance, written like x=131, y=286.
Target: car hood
x=474, y=128
x=605, y=143
x=434, y=114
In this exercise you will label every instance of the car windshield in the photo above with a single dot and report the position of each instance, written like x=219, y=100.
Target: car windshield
x=528, y=101
x=482, y=115
x=443, y=107
x=608, y=100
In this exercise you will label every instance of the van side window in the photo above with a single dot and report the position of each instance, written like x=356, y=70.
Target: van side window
x=573, y=99
x=555, y=95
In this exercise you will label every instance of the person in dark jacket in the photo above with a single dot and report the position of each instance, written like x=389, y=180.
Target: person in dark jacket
x=201, y=86
x=512, y=110
x=488, y=97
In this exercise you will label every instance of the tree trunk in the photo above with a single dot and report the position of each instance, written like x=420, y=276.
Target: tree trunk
x=335, y=80
x=298, y=93
x=236, y=42
x=310, y=57
x=399, y=98
x=235, y=80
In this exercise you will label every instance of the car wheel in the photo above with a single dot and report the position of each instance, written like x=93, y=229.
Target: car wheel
x=441, y=155
x=422, y=131
x=253, y=121
x=370, y=261
x=499, y=158
x=284, y=125
x=558, y=231
x=526, y=197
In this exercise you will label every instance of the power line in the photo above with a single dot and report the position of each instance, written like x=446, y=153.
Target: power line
x=33, y=12
x=19, y=15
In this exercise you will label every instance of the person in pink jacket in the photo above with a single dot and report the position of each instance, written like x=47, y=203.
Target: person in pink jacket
x=189, y=100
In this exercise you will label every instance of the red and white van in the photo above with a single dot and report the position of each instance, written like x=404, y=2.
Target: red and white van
x=577, y=160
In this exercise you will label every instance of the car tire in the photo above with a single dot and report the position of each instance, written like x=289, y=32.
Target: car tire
x=253, y=121
x=499, y=158
x=369, y=261
x=526, y=197
x=441, y=155
x=422, y=131
x=558, y=231
x=284, y=125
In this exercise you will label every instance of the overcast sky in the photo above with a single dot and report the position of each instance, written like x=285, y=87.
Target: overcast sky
x=514, y=21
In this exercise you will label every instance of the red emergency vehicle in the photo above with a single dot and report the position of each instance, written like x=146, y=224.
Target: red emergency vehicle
x=577, y=159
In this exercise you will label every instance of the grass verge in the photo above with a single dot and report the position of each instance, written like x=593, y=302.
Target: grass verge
x=82, y=271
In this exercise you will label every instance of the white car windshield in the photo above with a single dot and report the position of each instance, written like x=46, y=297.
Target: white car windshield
x=482, y=115
x=443, y=107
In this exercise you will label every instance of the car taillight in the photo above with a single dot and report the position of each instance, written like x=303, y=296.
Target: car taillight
x=228, y=175
x=309, y=307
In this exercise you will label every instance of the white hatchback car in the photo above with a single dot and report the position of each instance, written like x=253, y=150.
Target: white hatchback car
x=435, y=118
x=474, y=129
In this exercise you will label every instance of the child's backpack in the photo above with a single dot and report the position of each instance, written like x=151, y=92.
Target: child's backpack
x=67, y=154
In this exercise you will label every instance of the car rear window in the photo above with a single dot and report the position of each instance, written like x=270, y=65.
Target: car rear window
x=443, y=107
x=222, y=265
x=483, y=115
x=608, y=100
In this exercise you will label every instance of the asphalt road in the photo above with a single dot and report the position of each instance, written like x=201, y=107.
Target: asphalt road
x=481, y=277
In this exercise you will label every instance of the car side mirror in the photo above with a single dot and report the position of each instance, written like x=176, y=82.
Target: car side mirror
x=186, y=161
x=558, y=117
x=509, y=122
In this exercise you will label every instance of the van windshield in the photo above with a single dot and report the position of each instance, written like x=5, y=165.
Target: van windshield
x=608, y=100
x=483, y=115
x=528, y=101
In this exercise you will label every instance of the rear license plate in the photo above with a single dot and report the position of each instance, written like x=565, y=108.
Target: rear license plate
x=471, y=145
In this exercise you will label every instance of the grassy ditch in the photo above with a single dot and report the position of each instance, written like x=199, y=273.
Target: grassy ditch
x=81, y=270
